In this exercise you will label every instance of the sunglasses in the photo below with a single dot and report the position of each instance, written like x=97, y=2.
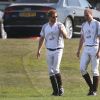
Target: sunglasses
x=54, y=17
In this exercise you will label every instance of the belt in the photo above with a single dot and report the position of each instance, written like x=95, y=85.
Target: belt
x=91, y=45
x=53, y=49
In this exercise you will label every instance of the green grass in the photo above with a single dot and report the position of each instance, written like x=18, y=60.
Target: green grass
x=23, y=77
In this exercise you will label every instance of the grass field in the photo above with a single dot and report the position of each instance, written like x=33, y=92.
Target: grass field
x=23, y=77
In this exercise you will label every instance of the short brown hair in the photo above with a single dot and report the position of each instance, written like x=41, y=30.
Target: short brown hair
x=88, y=10
x=51, y=12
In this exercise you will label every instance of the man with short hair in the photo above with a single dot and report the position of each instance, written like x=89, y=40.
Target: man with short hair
x=90, y=37
x=53, y=33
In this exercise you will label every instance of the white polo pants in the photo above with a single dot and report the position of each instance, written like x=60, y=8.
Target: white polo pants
x=89, y=55
x=53, y=61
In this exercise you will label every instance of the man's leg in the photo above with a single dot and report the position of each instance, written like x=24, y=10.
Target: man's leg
x=95, y=69
x=50, y=60
x=85, y=59
x=56, y=64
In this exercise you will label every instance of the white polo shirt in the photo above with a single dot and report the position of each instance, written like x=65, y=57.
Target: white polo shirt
x=53, y=38
x=91, y=32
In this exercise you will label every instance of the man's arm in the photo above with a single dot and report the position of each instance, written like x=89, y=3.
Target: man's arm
x=80, y=45
x=98, y=32
x=98, y=53
x=63, y=31
x=41, y=41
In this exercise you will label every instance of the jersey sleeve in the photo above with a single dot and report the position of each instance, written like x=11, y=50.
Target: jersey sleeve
x=99, y=28
x=42, y=33
x=82, y=32
x=62, y=25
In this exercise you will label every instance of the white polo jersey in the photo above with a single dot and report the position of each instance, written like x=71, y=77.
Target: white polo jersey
x=53, y=37
x=91, y=32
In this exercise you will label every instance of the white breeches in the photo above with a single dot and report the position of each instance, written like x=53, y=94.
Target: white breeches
x=89, y=55
x=54, y=60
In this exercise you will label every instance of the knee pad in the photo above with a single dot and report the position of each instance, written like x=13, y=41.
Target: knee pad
x=83, y=72
x=56, y=71
x=53, y=71
x=96, y=73
x=50, y=74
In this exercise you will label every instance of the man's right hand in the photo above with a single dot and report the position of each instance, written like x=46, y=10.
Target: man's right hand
x=38, y=54
x=78, y=54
